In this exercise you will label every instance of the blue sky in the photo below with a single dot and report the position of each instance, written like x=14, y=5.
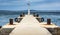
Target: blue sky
x=35, y=4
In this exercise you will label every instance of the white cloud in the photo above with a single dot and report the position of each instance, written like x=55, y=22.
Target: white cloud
x=47, y=6
x=35, y=4
x=16, y=2
x=50, y=5
x=35, y=0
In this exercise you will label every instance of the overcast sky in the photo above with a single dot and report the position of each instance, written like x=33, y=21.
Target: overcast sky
x=35, y=4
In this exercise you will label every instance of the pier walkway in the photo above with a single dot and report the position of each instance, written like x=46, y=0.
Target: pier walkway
x=29, y=26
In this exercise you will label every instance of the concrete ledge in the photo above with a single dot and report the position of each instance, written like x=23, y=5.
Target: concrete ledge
x=45, y=25
x=15, y=24
x=54, y=31
x=5, y=31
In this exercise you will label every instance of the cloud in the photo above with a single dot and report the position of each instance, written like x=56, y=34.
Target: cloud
x=35, y=0
x=35, y=4
x=48, y=6
x=12, y=2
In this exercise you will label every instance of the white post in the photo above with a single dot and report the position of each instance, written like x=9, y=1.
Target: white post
x=28, y=8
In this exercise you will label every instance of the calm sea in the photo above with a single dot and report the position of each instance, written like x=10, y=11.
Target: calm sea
x=54, y=17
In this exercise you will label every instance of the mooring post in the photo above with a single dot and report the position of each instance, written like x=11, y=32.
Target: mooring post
x=0, y=26
x=11, y=21
x=22, y=15
x=48, y=21
x=37, y=15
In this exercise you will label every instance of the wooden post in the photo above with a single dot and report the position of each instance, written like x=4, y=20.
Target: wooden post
x=48, y=21
x=11, y=21
x=37, y=15
x=0, y=26
x=22, y=15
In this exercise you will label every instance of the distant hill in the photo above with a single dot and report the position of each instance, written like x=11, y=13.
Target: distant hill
x=6, y=12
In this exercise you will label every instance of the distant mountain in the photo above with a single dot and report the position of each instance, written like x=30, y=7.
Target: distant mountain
x=7, y=12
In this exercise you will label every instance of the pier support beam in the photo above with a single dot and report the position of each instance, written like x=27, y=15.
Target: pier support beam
x=48, y=21
x=11, y=21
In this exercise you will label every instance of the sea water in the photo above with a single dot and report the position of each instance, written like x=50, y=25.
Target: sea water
x=4, y=19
